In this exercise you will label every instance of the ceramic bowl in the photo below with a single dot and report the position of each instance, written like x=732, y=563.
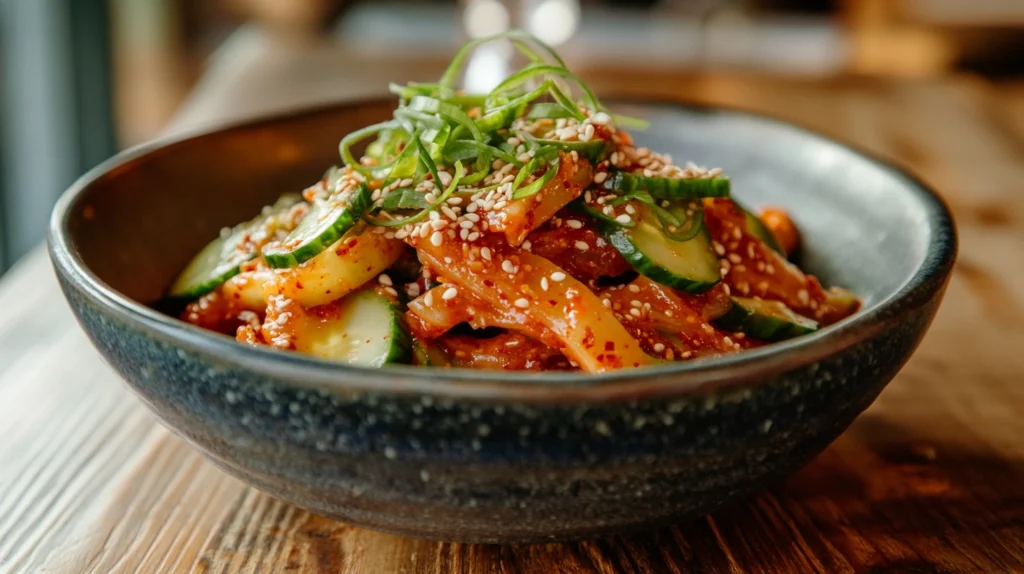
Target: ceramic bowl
x=493, y=456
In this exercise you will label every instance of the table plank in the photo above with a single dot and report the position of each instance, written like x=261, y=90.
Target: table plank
x=928, y=478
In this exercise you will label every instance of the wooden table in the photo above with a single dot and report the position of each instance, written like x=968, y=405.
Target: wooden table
x=930, y=478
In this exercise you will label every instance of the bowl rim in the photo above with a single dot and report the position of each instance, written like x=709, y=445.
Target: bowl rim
x=721, y=372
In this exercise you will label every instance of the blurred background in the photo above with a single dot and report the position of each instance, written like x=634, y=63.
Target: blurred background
x=81, y=79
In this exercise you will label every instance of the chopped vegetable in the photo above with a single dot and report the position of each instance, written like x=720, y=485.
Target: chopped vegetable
x=519, y=229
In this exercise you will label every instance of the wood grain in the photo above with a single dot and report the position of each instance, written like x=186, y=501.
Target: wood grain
x=930, y=478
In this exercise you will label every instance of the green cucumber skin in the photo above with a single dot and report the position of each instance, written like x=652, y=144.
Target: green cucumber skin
x=326, y=235
x=619, y=238
x=400, y=350
x=200, y=289
x=759, y=326
x=757, y=228
x=192, y=291
x=670, y=188
x=399, y=343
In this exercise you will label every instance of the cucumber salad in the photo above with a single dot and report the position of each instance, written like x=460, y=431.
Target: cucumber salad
x=520, y=229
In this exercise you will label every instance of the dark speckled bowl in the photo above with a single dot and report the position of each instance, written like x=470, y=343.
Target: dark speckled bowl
x=490, y=456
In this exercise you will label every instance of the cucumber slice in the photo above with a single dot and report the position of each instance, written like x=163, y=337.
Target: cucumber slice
x=428, y=354
x=689, y=266
x=765, y=320
x=669, y=187
x=366, y=331
x=221, y=258
x=325, y=223
x=758, y=229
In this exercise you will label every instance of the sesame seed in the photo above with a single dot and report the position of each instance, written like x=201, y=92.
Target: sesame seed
x=558, y=276
x=485, y=253
x=630, y=209
x=385, y=279
x=448, y=212
x=623, y=218
x=606, y=303
x=507, y=266
x=454, y=200
x=472, y=217
x=438, y=224
x=635, y=303
x=634, y=312
x=735, y=259
x=574, y=224
x=544, y=283
x=450, y=293
x=428, y=299
x=473, y=236
x=436, y=239
x=659, y=347
x=466, y=224
x=600, y=176
x=391, y=291
x=413, y=290
x=634, y=288
x=522, y=303
x=464, y=234
x=527, y=245
x=582, y=246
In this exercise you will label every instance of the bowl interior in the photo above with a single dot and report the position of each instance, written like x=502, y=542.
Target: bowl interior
x=865, y=226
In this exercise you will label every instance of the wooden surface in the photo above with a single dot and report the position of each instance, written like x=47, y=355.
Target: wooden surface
x=930, y=478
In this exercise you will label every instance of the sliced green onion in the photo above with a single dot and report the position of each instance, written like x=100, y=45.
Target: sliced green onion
x=344, y=147
x=528, y=190
x=452, y=72
x=593, y=151
x=404, y=198
x=541, y=156
x=405, y=163
x=437, y=140
x=447, y=111
x=483, y=168
x=414, y=116
x=471, y=149
x=459, y=173
x=533, y=70
x=566, y=102
x=552, y=110
x=630, y=122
